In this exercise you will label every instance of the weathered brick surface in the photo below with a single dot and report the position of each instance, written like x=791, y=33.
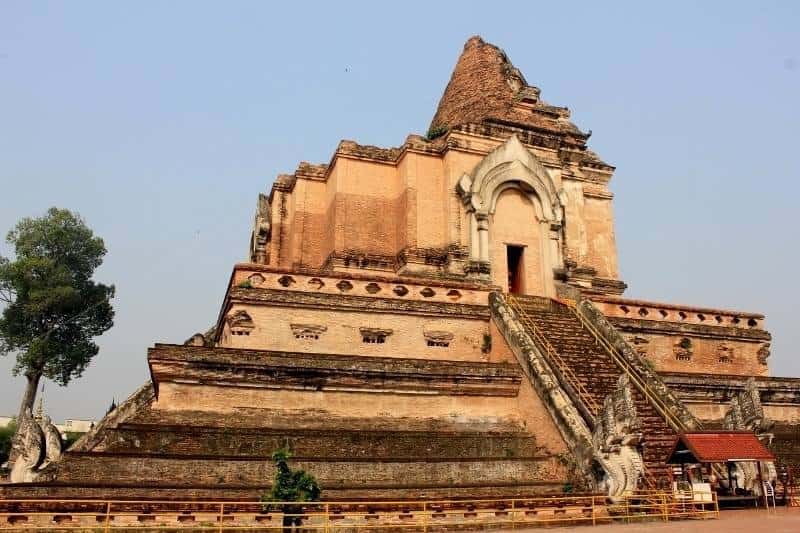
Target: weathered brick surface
x=376, y=245
x=482, y=87
x=297, y=370
x=330, y=444
x=258, y=473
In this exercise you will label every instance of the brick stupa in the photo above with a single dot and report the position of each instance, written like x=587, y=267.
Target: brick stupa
x=440, y=319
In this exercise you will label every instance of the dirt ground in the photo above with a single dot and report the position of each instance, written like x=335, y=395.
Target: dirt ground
x=781, y=520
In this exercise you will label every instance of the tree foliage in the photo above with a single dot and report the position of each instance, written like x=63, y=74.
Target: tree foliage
x=291, y=485
x=71, y=437
x=6, y=434
x=53, y=308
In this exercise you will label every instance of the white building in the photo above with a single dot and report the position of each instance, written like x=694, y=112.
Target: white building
x=75, y=425
x=70, y=425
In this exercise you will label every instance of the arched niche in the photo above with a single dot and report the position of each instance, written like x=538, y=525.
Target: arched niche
x=512, y=167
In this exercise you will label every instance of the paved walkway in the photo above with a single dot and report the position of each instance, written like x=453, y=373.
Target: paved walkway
x=782, y=520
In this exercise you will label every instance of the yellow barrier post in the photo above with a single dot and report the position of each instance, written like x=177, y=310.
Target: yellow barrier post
x=627, y=509
x=108, y=517
x=557, y=509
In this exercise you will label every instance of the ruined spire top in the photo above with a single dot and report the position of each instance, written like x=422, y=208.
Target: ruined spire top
x=486, y=87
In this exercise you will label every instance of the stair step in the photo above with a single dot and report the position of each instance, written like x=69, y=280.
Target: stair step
x=596, y=372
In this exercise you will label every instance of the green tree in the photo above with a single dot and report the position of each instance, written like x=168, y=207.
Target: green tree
x=291, y=486
x=72, y=436
x=6, y=434
x=53, y=308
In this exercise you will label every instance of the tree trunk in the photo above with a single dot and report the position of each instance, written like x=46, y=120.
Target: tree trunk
x=28, y=399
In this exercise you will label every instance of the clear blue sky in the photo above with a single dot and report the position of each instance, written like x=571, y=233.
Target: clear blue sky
x=161, y=121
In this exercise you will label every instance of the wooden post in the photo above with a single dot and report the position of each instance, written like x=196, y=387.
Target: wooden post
x=221, y=512
x=513, y=515
x=763, y=488
x=424, y=517
x=327, y=517
x=594, y=516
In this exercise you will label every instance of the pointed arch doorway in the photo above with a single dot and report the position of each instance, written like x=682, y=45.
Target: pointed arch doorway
x=515, y=243
x=514, y=215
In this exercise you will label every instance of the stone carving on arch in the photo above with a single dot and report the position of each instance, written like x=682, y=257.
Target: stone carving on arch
x=511, y=166
x=240, y=322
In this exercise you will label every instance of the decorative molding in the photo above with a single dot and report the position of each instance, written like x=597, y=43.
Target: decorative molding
x=438, y=338
x=624, y=308
x=725, y=353
x=363, y=260
x=345, y=302
x=231, y=367
x=374, y=335
x=720, y=389
x=683, y=349
x=240, y=323
x=256, y=279
x=307, y=331
x=511, y=161
x=661, y=327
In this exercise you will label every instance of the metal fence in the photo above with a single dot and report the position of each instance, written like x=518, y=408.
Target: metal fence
x=332, y=517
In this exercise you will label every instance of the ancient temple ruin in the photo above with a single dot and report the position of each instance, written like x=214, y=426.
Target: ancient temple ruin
x=439, y=319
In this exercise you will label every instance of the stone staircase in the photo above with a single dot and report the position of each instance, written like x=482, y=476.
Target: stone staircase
x=582, y=358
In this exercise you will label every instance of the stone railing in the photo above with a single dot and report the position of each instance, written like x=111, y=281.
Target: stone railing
x=650, y=384
x=545, y=381
x=334, y=283
x=613, y=307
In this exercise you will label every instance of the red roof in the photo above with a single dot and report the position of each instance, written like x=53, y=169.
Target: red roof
x=718, y=447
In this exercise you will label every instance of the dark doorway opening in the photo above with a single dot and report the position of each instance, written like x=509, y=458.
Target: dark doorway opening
x=515, y=271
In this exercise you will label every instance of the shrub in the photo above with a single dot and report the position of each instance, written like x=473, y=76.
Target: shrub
x=435, y=131
x=6, y=434
x=290, y=486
